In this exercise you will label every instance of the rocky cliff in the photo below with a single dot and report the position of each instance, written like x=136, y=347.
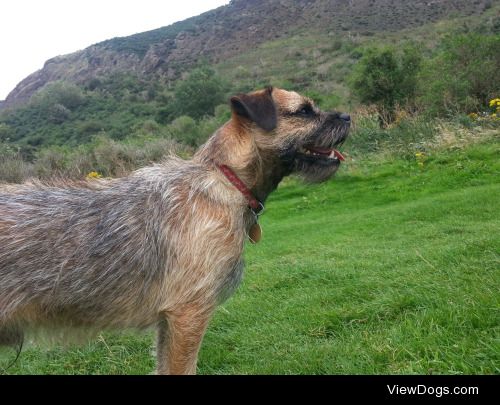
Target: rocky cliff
x=230, y=30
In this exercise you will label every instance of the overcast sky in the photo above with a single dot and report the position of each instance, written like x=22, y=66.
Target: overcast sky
x=32, y=31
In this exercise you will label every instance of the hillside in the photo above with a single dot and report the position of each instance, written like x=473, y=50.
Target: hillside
x=234, y=30
x=134, y=88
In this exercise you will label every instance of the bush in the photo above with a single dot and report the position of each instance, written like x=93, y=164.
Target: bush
x=58, y=113
x=50, y=162
x=462, y=76
x=184, y=129
x=5, y=132
x=199, y=94
x=386, y=78
x=68, y=95
x=13, y=169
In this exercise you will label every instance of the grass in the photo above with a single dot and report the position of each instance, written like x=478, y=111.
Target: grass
x=391, y=268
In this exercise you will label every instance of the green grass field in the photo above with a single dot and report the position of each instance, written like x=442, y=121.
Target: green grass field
x=390, y=268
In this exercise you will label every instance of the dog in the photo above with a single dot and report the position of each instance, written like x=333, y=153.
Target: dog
x=163, y=246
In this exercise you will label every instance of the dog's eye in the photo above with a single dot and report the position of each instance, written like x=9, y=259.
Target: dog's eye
x=305, y=110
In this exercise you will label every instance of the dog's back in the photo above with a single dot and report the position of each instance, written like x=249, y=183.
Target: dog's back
x=67, y=253
x=102, y=254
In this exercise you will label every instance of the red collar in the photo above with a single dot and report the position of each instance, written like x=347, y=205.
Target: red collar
x=253, y=203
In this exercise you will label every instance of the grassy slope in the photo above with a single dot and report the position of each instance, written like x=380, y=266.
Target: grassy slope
x=390, y=268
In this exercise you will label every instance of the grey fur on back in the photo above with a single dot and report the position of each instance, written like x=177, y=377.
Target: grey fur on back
x=109, y=253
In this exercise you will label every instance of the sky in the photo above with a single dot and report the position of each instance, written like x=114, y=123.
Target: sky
x=33, y=31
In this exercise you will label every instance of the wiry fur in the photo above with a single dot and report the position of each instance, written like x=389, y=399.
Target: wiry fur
x=161, y=247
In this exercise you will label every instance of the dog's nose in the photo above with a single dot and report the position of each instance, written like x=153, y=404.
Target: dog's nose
x=345, y=117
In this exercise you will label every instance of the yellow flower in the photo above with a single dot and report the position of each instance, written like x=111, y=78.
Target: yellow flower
x=494, y=115
x=473, y=116
x=93, y=175
x=420, y=157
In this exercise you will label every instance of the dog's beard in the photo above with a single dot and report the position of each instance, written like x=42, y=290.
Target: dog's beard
x=315, y=171
x=316, y=158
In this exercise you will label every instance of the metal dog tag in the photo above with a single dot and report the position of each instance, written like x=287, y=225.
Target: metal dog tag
x=255, y=233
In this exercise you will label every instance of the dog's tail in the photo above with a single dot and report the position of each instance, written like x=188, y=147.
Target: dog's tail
x=13, y=337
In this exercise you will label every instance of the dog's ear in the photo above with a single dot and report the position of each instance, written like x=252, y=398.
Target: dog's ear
x=257, y=107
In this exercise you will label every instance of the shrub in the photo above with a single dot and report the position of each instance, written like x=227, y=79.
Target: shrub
x=386, y=78
x=50, y=162
x=184, y=129
x=462, y=76
x=58, y=113
x=68, y=95
x=5, y=132
x=199, y=94
x=13, y=169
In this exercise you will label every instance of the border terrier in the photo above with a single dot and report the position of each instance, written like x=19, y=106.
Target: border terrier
x=163, y=246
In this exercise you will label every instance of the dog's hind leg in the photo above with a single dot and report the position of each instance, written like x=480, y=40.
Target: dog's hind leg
x=13, y=337
x=179, y=339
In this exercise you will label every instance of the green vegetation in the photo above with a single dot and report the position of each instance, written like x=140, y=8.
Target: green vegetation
x=447, y=69
x=199, y=94
x=62, y=114
x=386, y=78
x=458, y=77
x=462, y=76
x=120, y=107
x=455, y=77
x=392, y=267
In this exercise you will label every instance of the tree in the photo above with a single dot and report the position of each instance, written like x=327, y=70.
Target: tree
x=199, y=94
x=386, y=78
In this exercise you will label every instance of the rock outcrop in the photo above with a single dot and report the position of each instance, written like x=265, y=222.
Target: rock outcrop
x=231, y=30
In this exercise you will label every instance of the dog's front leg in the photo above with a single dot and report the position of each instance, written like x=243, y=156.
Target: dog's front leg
x=179, y=339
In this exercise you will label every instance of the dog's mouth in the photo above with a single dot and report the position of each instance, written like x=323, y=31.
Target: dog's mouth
x=323, y=153
x=320, y=155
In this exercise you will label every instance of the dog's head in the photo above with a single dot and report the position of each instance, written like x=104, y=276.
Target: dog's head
x=289, y=129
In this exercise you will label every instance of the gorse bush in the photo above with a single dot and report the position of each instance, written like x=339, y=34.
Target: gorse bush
x=184, y=128
x=461, y=76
